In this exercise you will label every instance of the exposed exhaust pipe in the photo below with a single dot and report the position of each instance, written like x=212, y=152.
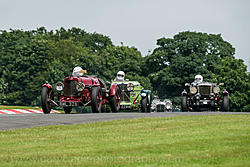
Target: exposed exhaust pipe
x=53, y=102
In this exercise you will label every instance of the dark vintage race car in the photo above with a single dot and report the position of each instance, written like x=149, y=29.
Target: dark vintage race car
x=204, y=96
x=80, y=91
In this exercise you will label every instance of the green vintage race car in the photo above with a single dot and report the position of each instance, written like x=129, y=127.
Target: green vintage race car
x=133, y=97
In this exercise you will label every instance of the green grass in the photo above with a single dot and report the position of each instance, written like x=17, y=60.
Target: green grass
x=216, y=140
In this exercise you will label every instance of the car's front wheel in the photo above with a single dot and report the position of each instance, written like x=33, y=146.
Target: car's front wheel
x=67, y=110
x=184, y=107
x=225, y=106
x=45, y=100
x=144, y=105
x=96, y=99
x=115, y=101
x=103, y=108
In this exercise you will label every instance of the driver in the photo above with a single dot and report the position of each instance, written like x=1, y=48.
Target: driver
x=198, y=79
x=77, y=72
x=120, y=76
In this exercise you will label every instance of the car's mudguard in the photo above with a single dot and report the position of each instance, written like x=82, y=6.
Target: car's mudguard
x=184, y=92
x=102, y=83
x=49, y=87
x=147, y=94
x=112, y=89
x=225, y=93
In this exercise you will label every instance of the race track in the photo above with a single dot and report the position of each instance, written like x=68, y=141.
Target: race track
x=18, y=121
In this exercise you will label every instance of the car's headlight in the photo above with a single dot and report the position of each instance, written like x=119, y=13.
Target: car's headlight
x=211, y=96
x=193, y=90
x=197, y=96
x=133, y=94
x=59, y=86
x=130, y=87
x=80, y=86
x=216, y=89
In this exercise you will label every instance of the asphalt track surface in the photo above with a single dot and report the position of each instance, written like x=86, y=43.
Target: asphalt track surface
x=19, y=121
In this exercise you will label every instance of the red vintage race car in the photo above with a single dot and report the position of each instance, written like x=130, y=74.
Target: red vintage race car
x=80, y=91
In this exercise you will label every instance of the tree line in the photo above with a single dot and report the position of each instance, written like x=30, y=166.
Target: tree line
x=31, y=58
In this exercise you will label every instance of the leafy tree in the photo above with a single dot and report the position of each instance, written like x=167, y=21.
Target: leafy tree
x=116, y=58
x=233, y=72
x=3, y=87
x=67, y=54
x=23, y=57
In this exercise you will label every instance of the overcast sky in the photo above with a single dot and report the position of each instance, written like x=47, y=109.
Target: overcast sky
x=136, y=23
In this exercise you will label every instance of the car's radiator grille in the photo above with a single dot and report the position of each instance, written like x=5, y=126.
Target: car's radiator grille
x=70, y=88
x=125, y=94
x=205, y=90
x=160, y=107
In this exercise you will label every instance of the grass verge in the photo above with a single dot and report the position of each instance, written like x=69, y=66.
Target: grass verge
x=215, y=140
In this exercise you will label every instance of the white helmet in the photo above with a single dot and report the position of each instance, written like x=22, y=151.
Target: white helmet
x=156, y=97
x=120, y=76
x=77, y=72
x=198, y=78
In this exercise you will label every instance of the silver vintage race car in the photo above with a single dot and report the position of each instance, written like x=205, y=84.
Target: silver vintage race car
x=161, y=106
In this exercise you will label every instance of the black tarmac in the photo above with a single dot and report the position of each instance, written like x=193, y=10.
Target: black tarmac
x=19, y=121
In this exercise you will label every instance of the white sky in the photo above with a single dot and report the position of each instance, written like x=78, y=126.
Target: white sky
x=136, y=23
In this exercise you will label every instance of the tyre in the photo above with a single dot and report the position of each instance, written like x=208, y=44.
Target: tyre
x=115, y=101
x=149, y=108
x=103, y=108
x=67, y=110
x=45, y=100
x=225, y=106
x=96, y=99
x=144, y=105
x=184, y=107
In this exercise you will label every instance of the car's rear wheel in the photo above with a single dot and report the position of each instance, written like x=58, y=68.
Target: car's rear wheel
x=115, y=101
x=184, y=107
x=45, y=100
x=144, y=105
x=67, y=110
x=96, y=99
x=225, y=106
